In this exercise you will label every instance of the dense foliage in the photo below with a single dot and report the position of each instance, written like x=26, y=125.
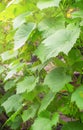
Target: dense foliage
x=41, y=64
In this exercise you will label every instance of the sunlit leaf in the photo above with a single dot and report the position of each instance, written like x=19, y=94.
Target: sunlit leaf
x=41, y=124
x=42, y=4
x=18, y=21
x=22, y=34
x=8, y=55
x=60, y=41
x=28, y=84
x=13, y=103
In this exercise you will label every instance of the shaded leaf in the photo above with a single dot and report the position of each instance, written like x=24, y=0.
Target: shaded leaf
x=46, y=101
x=73, y=126
x=57, y=79
x=30, y=112
x=9, y=84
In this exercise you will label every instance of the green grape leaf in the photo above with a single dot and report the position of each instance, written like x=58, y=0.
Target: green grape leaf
x=29, y=95
x=15, y=123
x=61, y=41
x=55, y=119
x=9, y=55
x=73, y=126
x=77, y=66
x=12, y=117
x=18, y=21
x=46, y=101
x=29, y=113
x=41, y=124
x=77, y=97
x=74, y=56
x=45, y=114
x=9, y=84
x=13, y=103
x=49, y=26
x=28, y=84
x=56, y=79
x=22, y=34
x=42, y=4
